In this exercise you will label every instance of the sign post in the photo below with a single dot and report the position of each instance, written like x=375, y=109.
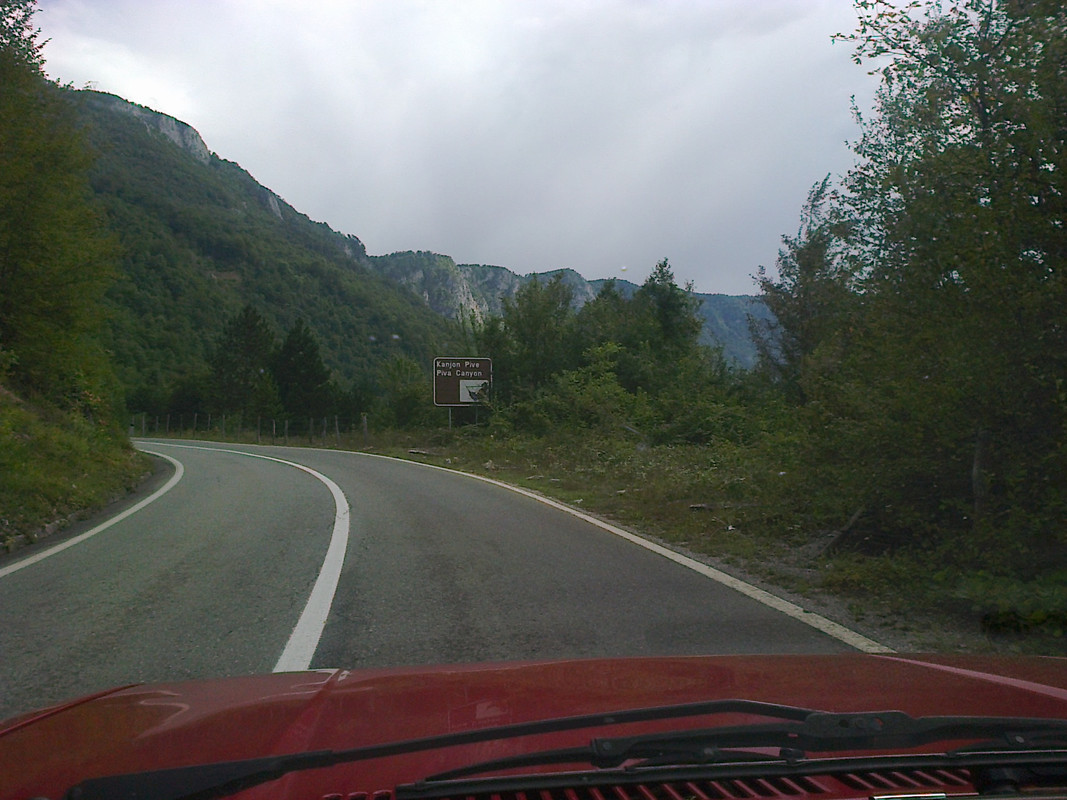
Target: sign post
x=461, y=381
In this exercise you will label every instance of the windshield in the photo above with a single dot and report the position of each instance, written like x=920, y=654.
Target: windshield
x=453, y=338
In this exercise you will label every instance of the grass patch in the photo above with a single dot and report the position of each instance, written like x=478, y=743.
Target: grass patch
x=55, y=465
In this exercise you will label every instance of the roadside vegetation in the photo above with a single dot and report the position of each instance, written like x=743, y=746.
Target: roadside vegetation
x=726, y=506
x=57, y=465
x=61, y=447
x=902, y=440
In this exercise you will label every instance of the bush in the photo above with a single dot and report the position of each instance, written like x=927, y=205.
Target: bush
x=55, y=463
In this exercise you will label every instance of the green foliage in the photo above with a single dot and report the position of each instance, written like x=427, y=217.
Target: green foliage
x=55, y=260
x=406, y=399
x=60, y=451
x=55, y=463
x=303, y=381
x=920, y=309
x=1007, y=605
x=589, y=398
x=618, y=363
x=668, y=312
x=18, y=36
x=535, y=345
x=200, y=240
x=241, y=378
x=810, y=301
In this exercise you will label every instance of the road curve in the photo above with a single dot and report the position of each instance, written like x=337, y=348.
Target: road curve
x=208, y=580
x=447, y=568
x=440, y=567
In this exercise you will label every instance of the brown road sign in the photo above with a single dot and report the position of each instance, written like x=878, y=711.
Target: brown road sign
x=461, y=381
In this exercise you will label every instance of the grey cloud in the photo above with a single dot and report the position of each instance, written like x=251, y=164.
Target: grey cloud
x=531, y=135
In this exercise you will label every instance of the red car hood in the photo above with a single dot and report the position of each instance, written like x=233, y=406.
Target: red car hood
x=168, y=725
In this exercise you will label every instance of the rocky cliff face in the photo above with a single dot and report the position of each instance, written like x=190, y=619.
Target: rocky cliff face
x=434, y=278
x=182, y=134
x=462, y=291
x=489, y=286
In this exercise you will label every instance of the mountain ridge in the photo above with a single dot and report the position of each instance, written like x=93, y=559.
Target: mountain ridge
x=222, y=228
x=200, y=239
x=458, y=290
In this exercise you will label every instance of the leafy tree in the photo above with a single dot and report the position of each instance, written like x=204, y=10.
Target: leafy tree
x=948, y=411
x=241, y=368
x=589, y=398
x=659, y=332
x=605, y=318
x=529, y=342
x=55, y=260
x=189, y=396
x=616, y=363
x=406, y=392
x=672, y=323
x=18, y=36
x=303, y=380
x=810, y=299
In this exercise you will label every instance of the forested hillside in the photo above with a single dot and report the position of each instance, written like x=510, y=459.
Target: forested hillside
x=199, y=240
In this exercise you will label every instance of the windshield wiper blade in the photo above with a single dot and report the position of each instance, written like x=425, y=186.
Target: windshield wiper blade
x=206, y=781
x=799, y=729
x=823, y=732
x=694, y=752
x=991, y=772
x=819, y=732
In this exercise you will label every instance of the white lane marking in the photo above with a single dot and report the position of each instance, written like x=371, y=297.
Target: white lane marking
x=304, y=640
x=179, y=470
x=817, y=621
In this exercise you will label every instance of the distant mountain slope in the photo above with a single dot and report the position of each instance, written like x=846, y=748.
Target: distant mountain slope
x=726, y=324
x=455, y=290
x=200, y=238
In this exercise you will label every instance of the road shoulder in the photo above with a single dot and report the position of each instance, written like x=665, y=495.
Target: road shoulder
x=83, y=520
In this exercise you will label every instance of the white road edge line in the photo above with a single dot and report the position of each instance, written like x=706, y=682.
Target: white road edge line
x=179, y=470
x=304, y=640
x=817, y=621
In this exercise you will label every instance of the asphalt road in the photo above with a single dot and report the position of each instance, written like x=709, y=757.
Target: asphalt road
x=211, y=579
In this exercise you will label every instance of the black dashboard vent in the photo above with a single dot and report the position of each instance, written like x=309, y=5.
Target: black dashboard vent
x=760, y=789
x=912, y=780
x=846, y=785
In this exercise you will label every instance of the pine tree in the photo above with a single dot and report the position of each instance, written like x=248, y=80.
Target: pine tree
x=810, y=298
x=241, y=368
x=303, y=380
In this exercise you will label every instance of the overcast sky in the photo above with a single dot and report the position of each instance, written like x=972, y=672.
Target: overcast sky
x=600, y=135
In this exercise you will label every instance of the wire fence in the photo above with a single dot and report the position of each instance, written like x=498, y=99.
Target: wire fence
x=275, y=431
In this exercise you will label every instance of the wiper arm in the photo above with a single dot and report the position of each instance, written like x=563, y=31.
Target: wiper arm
x=824, y=732
x=206, y=781
x=801, y=729
x=818, y=731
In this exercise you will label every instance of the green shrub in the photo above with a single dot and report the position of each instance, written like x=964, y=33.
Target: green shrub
x=56, y=463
